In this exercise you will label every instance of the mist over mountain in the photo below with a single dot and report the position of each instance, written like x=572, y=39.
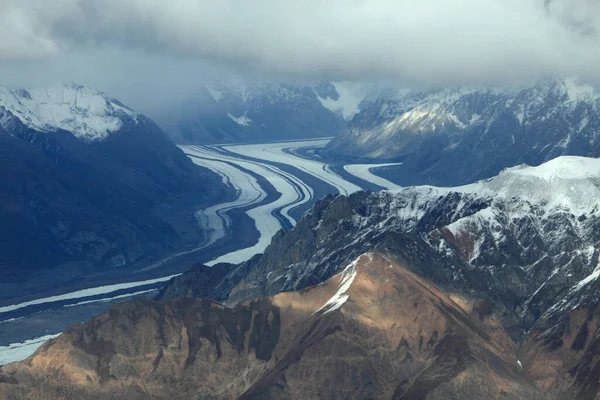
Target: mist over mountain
x=458, y=135
x=238, y=112
x=442, y=137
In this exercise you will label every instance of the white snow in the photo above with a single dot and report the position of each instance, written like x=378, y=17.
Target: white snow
x=567, y=182
x=588, y=279
x=11, y=320
x=350, y=96
x=554, y=272
x=474, y=118
x=365, y=172
x=108, y=299
x=578, y=91
x=88, y=114
x=521, y=114
x=243, y=120
x=565, y=167
x=274, y=152
x=250, y=193
x=214, y=220
x=20, y=351
x=583, y=123
x=85, y=293
x=414, y=113
x=341, y=296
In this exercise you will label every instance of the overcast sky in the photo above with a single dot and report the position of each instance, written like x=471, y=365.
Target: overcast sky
x=137, y=49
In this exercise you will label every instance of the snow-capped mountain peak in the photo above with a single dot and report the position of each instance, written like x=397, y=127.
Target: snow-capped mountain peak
x=570, y=183
x=88, y=114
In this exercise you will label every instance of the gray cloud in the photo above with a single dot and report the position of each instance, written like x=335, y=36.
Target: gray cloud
x=429, y=42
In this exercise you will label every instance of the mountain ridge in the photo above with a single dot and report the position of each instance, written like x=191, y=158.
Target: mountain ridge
x=456, y=136
x=88, y=114
x=88, y=201
x=314, y=343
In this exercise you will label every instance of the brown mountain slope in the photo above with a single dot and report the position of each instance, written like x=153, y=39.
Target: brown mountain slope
x=375, y=330
x=562, y=359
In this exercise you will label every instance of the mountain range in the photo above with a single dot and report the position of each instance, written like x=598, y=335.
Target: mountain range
x=484, y=290
x=459, y=290
x=459, y=135
x=445, y=137
x=88, y=185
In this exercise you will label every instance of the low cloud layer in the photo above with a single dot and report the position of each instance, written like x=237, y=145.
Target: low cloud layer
x=421, y=40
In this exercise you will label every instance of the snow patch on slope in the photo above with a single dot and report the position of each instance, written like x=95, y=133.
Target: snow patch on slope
x=568, y=182
x=88, y=114
x=578, y=91
x=341, y=296
x=350, y=96
x=243, y=120
x=588, y=279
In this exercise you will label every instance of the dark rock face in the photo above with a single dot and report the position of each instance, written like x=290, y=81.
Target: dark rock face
x=71, y=206
x=458, y=136
x=326, y=90
x=201, y=281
